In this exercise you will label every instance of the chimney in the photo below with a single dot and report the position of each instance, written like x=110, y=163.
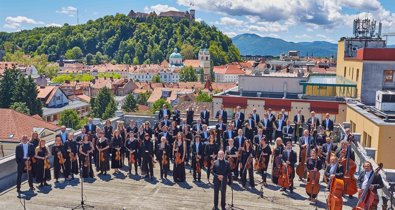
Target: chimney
x=105, y=78
x=96, y=77
x=112, y=79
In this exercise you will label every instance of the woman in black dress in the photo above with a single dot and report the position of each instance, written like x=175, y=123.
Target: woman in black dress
x=103, y=148
x=262, y=155
x=43, y=173
x=122, y=131
x=132, y=147
x=116, y=146
x=108, y=130
x=247, y=157
x=179, y=147
x=277, y=159
x=35, y=140
x=58, y=159
x=86, y=150
x=188, y=140
x=162, y=155
x=210, y=153
x=71, y=152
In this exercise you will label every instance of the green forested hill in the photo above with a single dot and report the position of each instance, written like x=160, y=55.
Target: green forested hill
x=121, y=39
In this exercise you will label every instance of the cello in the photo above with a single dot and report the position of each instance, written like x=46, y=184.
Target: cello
x=334, y=200
x=350, y=183
x=301, y=168
x=285, y=171
x=313, y=184
x=368, y=198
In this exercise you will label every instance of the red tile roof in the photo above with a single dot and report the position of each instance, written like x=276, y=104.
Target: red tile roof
x=229, y=69
x=15, y=124
x=193, y=63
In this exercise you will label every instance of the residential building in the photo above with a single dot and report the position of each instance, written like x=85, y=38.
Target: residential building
x=119, y=87
x=52, y=96
x=15, y=124
x=176, y=15
x=170, y=94
x=53, y=114
x=228, y=73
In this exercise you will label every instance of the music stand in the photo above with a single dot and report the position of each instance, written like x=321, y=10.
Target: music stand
x=231, y=206
x=82, y=205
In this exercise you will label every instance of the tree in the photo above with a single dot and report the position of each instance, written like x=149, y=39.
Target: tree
x=159, y=104
x=212, y=75
x=130, y=103
x=26, y=91
x=70, y=119
x=20, y=107
x=201, y=74
x=98, y=58
x=187, y=51
x=156, y=79
x=143, y=98
x=8, y=83
x=104, y=104
x=204, y=97
x=51, y=71
x=187, y=74
x=126, y=59
x=75, y=53
x=89, y=59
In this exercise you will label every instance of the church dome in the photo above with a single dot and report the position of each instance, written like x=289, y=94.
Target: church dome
x=175, y=54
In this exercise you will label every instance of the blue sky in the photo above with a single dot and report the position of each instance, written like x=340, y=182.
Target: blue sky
x=292, y=20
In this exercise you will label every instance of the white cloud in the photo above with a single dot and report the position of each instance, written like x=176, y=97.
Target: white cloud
x=303, y=36
x=230, y=34
x=324, y=37
x=17, y=22
x=53, y=25
x=159, y=8
x=230, y=21
x=69, y=10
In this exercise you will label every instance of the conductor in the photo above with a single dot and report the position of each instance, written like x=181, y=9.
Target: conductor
x=222, y=173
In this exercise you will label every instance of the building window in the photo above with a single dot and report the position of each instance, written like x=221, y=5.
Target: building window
x=345, y=70
x=356, y=79
x=364, y=138
x=389, y=75
x=352, y=74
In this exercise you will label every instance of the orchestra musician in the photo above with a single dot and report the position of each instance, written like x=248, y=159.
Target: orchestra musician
x=327, y=123
x=188, y=140
x=248, y=132
x=328, y=148
x=313, y=164
x=222, y=174
x=298, y=121
x=220, y=127
x=228, y=134
x=58, y=158
x=278, y=127
x=132, y=147
x=35, y=140
x=43, y=173
x=190, y=114
x=341, y=152
x=377, y=182
x=333, y=169
x=179, y=147
x=271, y=116
x=85, y=151
x=277, y=159
x=169, y=139
x=258, y=137
x=24, y=152
x=131, y=129
x=313, y=122
x=116, y=146
x=204, y=135
x=165, y=121
x=251, y=122
x=284, y=115
x=63, y=134
x=349, y=137
x=176, y=115
x=222, y=114
x=306, y=141
x=231, y=156
x=255, y=116
x=238, y=115
x=148, y=152
x=205, y=116
x=210, y=153
x=239, y=139
x=103, y=148
x=108, y=129
x=267, y=127
x=288, y=130
x=289, y=158
x=247, y=157
x=71, y=164
x=198, y=127
x=164, y=112
x=197, y=158
x=237, y=123
x=90, y=127
x=263, y=153
x=162, y=155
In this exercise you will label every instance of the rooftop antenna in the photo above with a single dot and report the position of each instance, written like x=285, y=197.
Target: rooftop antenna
x=78, y=18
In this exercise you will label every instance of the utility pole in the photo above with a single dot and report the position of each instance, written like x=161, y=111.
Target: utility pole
x=78, y=18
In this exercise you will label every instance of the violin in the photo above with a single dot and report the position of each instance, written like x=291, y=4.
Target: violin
x=334, y=200
x=248, y=163
x=313, y=185
x=367, y=198
x=131, y=158
x=164, y=159
x=47, y=164
x=34, y=160
x=178, y=159
x=72, y=157
x=198, y=168
x=102, y=159
x=232, y=163
x=118, y=155
x=277, y=161
x=28, y=167
x=349, y=166
x=301, y=168
x=86, y=162
x=60, y=158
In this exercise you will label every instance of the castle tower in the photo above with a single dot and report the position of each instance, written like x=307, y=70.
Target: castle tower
x=205, y=62
x=192, y=14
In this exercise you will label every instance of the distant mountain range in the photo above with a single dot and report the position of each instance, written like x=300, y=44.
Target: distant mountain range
x=252, y=44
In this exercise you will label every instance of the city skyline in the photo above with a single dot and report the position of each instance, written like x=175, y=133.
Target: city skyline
x=303, y=20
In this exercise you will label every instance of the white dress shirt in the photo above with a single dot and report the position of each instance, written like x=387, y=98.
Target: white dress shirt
x=25, y=150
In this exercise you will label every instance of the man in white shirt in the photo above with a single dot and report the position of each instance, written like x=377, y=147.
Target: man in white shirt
x=23, y=154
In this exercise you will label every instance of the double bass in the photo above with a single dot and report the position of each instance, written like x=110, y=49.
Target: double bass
x=301, y=168
x=334, y=200
x=350, y=183
x=368, y=198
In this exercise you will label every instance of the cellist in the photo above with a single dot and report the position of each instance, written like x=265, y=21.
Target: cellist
x=363, y=179
x=263, y=153
x=289, y=158
x=345, y=153
x=314, y=164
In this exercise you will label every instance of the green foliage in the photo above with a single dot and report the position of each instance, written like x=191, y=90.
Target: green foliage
x=126, y=59
x=212, y=74
x=104, y=105
x=159, y=104
x=201, y=75
x=20, y=107
x=83, y=122
x=143, y=98
x=130, y=103
x=204, y=97
x=149, y=41
x=83, y=77
x=74, y=53
x=7, y=83
x=156, y=78
x=187, y=74
x=26, y=91
x=50, y=71
x=70, y=119
x=108, y=75
x=89, y=59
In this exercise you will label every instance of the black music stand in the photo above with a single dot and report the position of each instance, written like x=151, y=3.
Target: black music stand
x=231, y=206
x=82, y=205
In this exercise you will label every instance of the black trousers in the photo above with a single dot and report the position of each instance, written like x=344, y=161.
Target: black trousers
x=250, y=176
x=196, y=175
x=20, y=171
x=263, y=174
x=148, y=166
x=217, y=186
x=163, y=169
x=130, y=165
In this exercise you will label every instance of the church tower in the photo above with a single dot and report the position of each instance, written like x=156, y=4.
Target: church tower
x=205, y=62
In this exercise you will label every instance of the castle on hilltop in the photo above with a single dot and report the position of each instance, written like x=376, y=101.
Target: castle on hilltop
x=176, y=15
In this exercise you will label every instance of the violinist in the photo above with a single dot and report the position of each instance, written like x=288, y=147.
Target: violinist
x=35, y=140
x=179, y=147
x=108, y=130
x=267, y=126
x=258, y=137
x=162, y=155
x=220, y=127
x=147, y=153
x=116, y=145
x=103, y=148
x=231, y=155
x=58, y=158
x=210, y=153
x=228, y=134
x=132, y=147
x=249, y=132
x=289, y=158
x=333, y=170
x=85, y=151
x=43, y=172
x=314, y=164
x=363, y=182
x=251, y=123
x=197, y=158
x=24, y=152
x=188, y=139
x=71, y=164
x=247, y=157
x=169, y=137
x=262, y=156
x=190, y=113
x=277, y=159
x=204, y=135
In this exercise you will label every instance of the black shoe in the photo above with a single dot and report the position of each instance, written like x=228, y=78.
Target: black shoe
x=46, y=184
x=350, y=197
x=101, y=173
x=146, y=176
x=18, y=191
x=283, y=189
x=41, y=185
